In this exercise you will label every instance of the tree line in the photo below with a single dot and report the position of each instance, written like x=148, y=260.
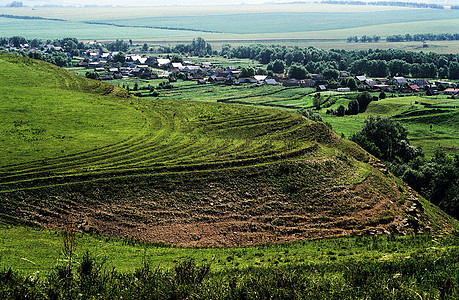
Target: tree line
x=386, y=3
x=378, y=63
x=423, y=37
x=437, y=178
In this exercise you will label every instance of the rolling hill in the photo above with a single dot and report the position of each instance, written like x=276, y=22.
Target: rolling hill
x=80, y=153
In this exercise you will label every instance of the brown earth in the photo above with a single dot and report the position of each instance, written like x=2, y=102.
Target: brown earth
x=275, y=203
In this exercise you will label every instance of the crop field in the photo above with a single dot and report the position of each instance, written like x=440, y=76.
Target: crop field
x=325, y=26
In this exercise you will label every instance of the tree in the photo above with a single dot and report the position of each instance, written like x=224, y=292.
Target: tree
x=297, y=72
x=15, y=4
x=330, y=74
x=277, y=66
x=353, y=108
x=92, y=75
x=386, y=139
x=364, y=100
x=247, y=72
x=382, y=95
x=145, y=47
x=453, y=70
x=316, y=101
x=177, y=58
x=119, y=58
x=349, y=82
x=118, y=45
x=340, y=112
x=398, y=67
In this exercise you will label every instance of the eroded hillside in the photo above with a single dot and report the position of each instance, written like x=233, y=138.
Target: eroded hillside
x=193, y=174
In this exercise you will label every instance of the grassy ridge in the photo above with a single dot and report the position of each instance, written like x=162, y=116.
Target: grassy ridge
x=195, y=173
x=47, y=112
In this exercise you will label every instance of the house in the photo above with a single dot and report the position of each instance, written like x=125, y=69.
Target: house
x=421, y=83
x=191, y=69
x=399, y=80
x=106, y=77
x=163, y=61
x=316, y=77
x=247, y=80
x=83, y=64
x=321, y=88
x=95, y=64
x=414, y=88
x=383, y=87
x=216, y=79
x=344, y=89
x=106, y=56
x=361, y=78
x=291, y=82
x=177, y=66
x=370, y=82
x=164, y=74
x=260, y=78
x=235, y=73
x=451, y=91
x=307, y=83
x=382, y=80
x=270, y=82
x=113, y=70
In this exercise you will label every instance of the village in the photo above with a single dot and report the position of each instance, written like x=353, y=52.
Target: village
x=109, y=66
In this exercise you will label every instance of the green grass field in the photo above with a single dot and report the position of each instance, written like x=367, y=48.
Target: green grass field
x=444, y=125
x=325, y=26
x=275, y=203
x=33, y=249
x=55, y=117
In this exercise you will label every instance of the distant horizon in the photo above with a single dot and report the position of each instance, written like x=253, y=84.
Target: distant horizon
x=161, y=3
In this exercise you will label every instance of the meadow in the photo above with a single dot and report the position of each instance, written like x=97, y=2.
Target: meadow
x=232, y=196
x=317, y=25
x=396, y=267
x=410, y=110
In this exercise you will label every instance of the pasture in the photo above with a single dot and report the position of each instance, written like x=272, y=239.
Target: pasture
x=442, y=134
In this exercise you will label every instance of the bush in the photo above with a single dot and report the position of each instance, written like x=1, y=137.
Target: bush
x=385, y=139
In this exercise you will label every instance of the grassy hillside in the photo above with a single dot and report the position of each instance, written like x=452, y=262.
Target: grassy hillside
x=186, y=172
x=48, y=112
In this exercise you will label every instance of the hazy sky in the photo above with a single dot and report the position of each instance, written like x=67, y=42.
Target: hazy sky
x=138, y=2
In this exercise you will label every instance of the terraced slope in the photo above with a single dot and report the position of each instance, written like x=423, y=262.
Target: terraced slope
x=187, y=173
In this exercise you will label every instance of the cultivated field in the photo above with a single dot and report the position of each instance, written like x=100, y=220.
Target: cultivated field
x=325, y=26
